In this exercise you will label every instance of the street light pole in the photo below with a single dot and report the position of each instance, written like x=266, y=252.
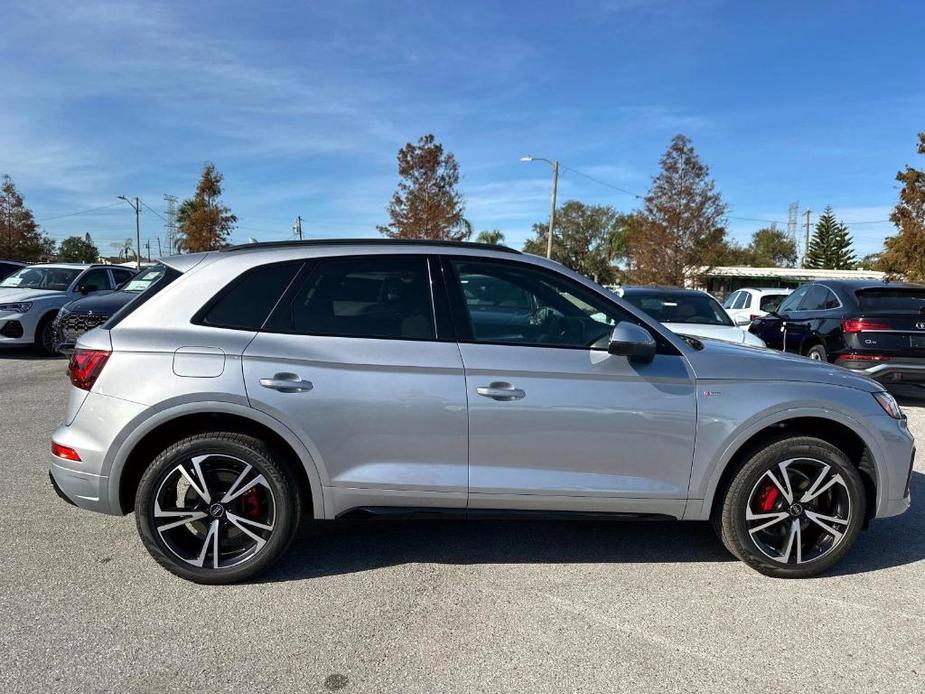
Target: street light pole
x=555, y=188
x=137, y=207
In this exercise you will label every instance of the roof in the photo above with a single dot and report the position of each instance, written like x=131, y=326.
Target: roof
x=73, y=266
x=791, y=273
x=367, y=242
x=657, y=289
x=854, y=285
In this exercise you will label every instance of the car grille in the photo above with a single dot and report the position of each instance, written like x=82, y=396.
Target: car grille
x=70, y=326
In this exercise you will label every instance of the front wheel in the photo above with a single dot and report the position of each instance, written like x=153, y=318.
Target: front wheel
x=45, y=337
x=217, y=508
x=793, y=509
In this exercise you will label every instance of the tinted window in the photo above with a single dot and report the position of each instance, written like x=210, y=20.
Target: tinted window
x=121, y=275
x=513, y=303
x=680, y=307
x=792, y=301
x=818, y=298
x=98, y=278
x=731, y=299
x=743, y=301
x=246, y=303
x=770, y=302
x=892, y=299
x=364, y=296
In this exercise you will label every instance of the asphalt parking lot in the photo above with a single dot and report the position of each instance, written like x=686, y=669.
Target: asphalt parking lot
x=438, y=606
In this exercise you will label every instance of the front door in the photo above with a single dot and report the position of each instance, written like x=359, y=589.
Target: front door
x=352, y=362
x=555, y=421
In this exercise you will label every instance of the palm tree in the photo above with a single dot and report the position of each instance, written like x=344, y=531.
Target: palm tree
x=494, y=237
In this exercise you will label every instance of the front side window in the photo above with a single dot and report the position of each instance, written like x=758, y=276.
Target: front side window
x=95, y=280
x=376, y=296
x=792, y=301
x=54, y=278
x=515, y=304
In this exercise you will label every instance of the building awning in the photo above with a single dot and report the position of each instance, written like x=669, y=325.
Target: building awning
x=791, y=273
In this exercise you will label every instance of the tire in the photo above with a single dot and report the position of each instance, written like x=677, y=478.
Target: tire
x=806, y=534
x=44, y=343
x=234, y=498
x=817, y=353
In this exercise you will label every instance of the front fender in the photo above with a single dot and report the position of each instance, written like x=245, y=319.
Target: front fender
x=147, y=421
x=729, y=416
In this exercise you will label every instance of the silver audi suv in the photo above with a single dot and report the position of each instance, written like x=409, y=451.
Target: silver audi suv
x=256, y=386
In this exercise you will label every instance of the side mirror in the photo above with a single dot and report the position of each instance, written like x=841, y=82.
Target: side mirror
x=632, y=341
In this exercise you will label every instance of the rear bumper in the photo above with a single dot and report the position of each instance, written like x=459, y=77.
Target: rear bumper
x=894, y=370
x=80, y=488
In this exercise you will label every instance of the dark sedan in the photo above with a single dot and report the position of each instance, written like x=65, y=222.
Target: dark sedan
x=79, y=316
x=869, y=326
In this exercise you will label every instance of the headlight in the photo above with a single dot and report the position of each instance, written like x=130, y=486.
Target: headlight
x=16, y=308
x=889, y=404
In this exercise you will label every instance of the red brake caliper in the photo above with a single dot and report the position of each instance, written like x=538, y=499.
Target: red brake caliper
x=767, y=497
x=251, y=504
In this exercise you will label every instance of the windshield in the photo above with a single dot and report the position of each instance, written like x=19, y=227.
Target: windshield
x=142, y=281
x=680, y=307
x=52, y=278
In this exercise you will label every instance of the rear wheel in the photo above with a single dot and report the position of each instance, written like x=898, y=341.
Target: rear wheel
x=793, y=509
x=216, y=508
x=817, y=353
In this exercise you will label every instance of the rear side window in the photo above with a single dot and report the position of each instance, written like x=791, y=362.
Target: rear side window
x=247, y=302
x=744, y=300
x=363, y=297
x=731, y=300
x=819, y=298
x=892, y=299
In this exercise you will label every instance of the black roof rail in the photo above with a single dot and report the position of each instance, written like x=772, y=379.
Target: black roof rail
x=368, y=242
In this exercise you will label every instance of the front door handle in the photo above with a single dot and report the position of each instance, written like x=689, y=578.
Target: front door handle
x=287, y=383
x=500, y=390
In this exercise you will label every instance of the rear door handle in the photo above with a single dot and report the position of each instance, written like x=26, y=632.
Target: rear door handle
x=287, y=383
x=500, y=390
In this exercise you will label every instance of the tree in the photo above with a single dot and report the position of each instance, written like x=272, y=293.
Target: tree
x=78, y=250
x=588, y=239
x=871, y=261
x=494, y=237
x=771, y=247
x=830, y=247
x=203, y=223
x=427, y=204
x=20, y=237
x=680, y=229
x=904, y=252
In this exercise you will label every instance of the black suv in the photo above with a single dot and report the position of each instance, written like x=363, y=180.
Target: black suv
x=870, y=326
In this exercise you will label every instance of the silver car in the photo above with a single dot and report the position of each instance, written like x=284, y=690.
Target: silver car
x=252, y=387
x=31, y=297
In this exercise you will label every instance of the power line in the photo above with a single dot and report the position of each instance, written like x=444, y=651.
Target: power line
x=603, y=183
x=72, y=214
x=153, y=211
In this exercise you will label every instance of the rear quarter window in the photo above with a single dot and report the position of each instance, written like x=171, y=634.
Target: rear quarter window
x=246, y=303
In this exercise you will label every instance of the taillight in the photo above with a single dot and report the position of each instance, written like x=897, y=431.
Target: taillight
x=754, y=317
x=857, y=325
x=85, y=366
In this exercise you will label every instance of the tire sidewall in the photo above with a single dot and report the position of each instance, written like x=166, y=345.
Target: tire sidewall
x=820, y=350
x=736, y=527
x=252, y=451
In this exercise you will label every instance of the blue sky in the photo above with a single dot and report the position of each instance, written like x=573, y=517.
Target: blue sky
x=303, y=106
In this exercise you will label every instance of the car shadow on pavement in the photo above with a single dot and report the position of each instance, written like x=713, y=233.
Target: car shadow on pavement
x=20, y=353
x=343, y=547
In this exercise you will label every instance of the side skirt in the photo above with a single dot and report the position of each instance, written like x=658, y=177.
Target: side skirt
x=423, y=513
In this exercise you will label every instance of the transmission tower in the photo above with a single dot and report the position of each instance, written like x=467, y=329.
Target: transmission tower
x=170, y=226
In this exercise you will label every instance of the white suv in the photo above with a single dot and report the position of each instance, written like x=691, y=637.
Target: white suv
x=746, y=305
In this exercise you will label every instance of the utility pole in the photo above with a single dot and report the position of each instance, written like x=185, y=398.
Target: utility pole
x=160, y=253
x=806, y=237
x=298, y=227
x=137, y=207
x=552, y=211
x=148, y=249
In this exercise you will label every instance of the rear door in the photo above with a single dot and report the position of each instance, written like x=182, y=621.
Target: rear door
x=353, y=361
x=773, y=328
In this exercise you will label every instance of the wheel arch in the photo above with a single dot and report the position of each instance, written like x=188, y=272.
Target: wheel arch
x=838, y=433
x=158, y=431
